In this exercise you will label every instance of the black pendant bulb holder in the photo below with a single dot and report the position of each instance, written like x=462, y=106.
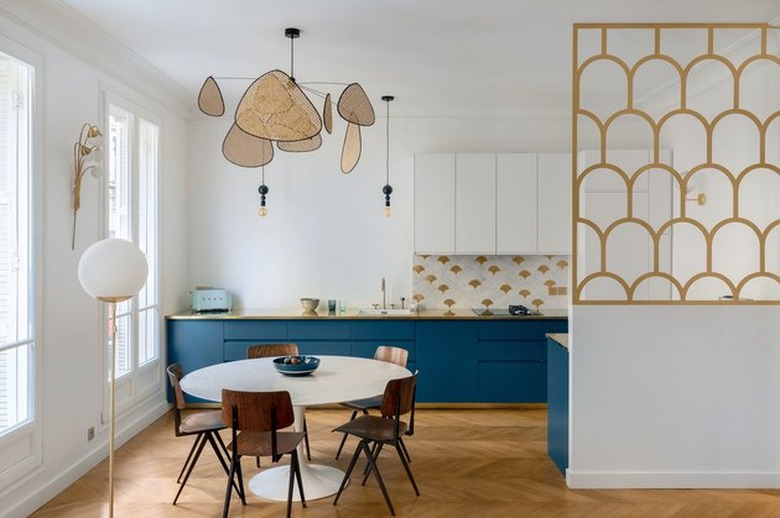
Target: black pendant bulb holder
x=387, y=190
x=263, y=190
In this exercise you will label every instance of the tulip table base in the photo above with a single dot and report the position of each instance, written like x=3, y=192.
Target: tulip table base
x=318, y=481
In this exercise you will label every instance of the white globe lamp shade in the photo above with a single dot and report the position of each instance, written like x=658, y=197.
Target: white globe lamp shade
x=112, y=270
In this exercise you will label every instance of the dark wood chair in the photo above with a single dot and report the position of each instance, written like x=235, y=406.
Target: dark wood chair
x=204, y=425
x=274, y=351
x=385, y=353
x=256, y=418
x=376, y=431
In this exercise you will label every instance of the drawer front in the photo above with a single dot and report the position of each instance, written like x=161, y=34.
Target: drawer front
x=233, y=350
x=335, y=348
x=367, y=349
x=556, y=326
x=313, y=330
x=535, y=350
x=513, y=382
x=382, y=330
x=511, y=330
x=256, y=330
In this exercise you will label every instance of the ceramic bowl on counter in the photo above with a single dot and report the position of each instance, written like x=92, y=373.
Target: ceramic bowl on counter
x=309, y=304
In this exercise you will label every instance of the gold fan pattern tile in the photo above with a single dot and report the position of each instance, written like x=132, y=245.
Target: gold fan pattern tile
x=463, y=281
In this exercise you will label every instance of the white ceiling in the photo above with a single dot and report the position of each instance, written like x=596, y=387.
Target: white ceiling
x=425, y=52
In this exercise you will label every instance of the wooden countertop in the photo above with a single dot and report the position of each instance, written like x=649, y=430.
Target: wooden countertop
x=292, y=314
x=561, y=338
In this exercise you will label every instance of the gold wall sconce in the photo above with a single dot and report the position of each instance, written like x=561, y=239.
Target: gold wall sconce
x=87, y=156
x=695, y=189
x=700, y=198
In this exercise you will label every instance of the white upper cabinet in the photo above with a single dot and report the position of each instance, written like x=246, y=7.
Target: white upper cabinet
x=475, y=203
x=434, y=203
x=487, y=203
x=555, y=185
x=516, y=197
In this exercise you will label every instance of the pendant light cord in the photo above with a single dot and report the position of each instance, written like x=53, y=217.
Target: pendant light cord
x=262, y=175
x=387, y=143
x=292, y=59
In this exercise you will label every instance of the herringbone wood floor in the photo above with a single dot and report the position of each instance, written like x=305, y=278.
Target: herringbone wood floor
x=468, y=463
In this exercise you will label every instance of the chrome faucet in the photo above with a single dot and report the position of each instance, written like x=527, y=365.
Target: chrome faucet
x=384, y=294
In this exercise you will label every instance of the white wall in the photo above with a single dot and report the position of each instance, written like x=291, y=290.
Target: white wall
x=68, y=346
x=666, y=396
x=325, y=235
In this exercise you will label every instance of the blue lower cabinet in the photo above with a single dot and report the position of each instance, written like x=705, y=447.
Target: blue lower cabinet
x=460, y=361
x=268, y=331
x=558, y=404
x=301, y=330
x=333, y=348
x=446, y=354
x=193, y=345
x=512, y=382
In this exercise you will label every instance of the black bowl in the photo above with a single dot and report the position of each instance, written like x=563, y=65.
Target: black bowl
x=296, y=365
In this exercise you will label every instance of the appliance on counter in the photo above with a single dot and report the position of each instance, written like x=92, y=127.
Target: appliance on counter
x=205, y=300
x=513, y=310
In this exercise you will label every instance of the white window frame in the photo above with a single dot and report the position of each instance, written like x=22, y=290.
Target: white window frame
x=141, y=382
x=21, y=447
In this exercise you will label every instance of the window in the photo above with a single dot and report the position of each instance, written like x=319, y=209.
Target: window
x=133, y=142
x=17, y=337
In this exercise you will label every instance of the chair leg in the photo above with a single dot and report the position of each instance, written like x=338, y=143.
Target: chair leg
x=379, y=481
x=406, y=452
x=375, y=451
x=242, y=494
x=213, y=442
x=189, y=457
x=402, y=456
x=344, y=438
x=306, y=439
x=299, y=478
x=229, y=487
x=349, y=469
x=221, y=443
x=201, y=443
x=291, y=483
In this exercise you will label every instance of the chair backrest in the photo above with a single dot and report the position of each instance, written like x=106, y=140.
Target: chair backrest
x=390, y=354
x=175, y=374
x=399, y=396
x=271, y=350
x=257, y=411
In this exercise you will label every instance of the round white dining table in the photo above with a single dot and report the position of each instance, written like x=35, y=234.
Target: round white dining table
x=338, y=378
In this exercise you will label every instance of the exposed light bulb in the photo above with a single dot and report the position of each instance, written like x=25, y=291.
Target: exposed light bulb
x=262, y=211
x=388, y=211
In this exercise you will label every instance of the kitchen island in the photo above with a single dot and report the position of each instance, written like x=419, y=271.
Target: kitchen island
x=463, y=358
x=558, y=399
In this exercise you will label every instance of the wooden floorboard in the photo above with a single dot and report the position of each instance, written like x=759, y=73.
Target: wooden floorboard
x=467, y=463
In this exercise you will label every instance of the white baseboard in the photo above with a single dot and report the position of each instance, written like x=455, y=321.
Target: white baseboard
x=19, y=503
x=671, y=480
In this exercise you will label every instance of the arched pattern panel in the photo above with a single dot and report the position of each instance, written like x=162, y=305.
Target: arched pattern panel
x=705, y=227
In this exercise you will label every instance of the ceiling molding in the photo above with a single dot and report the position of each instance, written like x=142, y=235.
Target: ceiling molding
x=70, y=31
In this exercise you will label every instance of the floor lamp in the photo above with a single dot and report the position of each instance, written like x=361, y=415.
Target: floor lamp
x=112, y=271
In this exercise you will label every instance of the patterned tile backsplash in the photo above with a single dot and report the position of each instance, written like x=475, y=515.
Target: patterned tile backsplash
x=484, y=281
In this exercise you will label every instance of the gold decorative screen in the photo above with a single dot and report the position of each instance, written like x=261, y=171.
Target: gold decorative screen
x=676, y=154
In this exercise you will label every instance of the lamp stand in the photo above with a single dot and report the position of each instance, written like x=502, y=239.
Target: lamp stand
x=112, y=270
x=112, y=368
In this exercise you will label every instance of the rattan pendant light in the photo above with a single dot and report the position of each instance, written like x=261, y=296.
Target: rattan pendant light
x=276, y=108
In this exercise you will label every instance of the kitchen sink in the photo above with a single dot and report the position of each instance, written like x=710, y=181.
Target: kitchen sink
x=373, y=312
